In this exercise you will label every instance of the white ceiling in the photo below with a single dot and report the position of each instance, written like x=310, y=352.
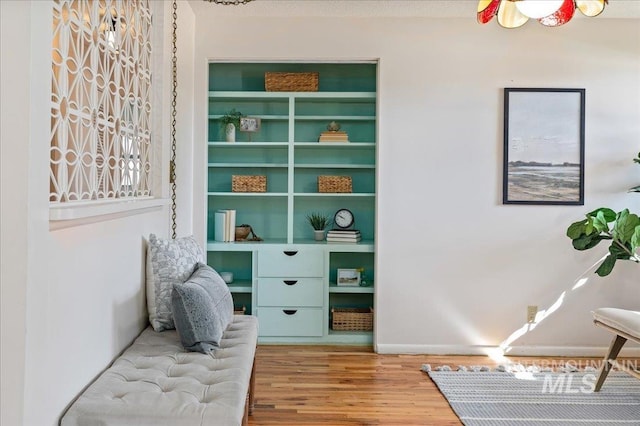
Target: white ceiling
x=381, y=8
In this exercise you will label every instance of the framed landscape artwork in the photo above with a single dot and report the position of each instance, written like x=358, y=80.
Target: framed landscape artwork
x=348, y=277
x=543, y=146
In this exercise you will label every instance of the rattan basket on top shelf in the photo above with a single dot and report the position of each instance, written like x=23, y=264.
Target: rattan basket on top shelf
x=291, y=81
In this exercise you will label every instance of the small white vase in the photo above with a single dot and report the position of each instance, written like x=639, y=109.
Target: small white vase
x=318, y=235
x=230, y=132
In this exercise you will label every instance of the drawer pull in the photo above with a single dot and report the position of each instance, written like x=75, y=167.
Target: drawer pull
x=290, y=282
x=289, y=311
x=290, y=252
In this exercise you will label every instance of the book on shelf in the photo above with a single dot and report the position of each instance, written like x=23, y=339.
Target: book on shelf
x=225, y=226
x=343, y=240
x=330, y=139
x=219, y=232
x=231, y=225
x=333, y=136
x=344, y=232
x=344, y=237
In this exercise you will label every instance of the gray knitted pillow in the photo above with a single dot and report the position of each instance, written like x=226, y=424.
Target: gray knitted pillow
x=202, y=309
x=168, y=262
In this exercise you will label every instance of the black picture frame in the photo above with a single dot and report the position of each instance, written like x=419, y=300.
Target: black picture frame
x=543, y=159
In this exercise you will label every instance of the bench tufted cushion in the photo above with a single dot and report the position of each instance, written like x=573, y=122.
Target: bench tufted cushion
x=156, y=382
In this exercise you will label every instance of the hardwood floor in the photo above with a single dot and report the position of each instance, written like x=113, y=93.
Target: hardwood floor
x=307, y=385
x=335, y=385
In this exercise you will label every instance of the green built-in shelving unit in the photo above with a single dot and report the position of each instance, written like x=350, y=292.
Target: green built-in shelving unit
x=286, y=150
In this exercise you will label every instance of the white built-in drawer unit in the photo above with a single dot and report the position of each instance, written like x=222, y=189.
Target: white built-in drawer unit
x=290, y=292
x=291, y=262
x=297, y=322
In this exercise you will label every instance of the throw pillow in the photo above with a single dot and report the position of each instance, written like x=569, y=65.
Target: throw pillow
x=168, y=262
x=202, y=309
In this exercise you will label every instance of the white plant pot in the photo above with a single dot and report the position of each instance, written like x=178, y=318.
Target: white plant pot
x=230, y=132
x=318, y=235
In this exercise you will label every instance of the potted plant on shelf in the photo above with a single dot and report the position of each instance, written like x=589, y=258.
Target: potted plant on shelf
x=319, y=222
x=230, y=122
x=621, y=228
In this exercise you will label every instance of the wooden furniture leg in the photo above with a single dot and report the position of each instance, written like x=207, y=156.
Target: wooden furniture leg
x=612, y=354
x=252, y=388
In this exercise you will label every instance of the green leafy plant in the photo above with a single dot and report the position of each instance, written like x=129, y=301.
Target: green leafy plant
x=318, y=221
x=232, y=116
x=622, y=229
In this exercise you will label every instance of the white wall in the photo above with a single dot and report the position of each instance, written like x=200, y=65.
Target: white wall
x=72, y=298
x=14, y=152
x=456, y=269
x=184, y=118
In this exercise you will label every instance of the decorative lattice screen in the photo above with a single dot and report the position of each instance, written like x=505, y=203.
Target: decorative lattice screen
x=100, y=100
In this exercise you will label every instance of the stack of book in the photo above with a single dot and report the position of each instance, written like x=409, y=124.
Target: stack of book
x=343, y=236
x=334, y=136
x=225, y=226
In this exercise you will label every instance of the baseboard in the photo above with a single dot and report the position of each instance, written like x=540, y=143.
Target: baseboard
x=560, y=351
x=433, y=349
x=568, y=351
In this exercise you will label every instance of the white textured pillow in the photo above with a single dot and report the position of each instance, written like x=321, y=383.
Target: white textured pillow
x=168, y=262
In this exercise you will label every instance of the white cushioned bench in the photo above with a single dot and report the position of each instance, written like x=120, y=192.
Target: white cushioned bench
x=625, y=324
x=157, y=382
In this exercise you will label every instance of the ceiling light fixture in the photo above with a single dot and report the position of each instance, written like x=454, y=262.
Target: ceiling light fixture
x=550, y=13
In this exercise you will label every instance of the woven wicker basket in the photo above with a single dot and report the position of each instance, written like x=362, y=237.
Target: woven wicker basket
x=334, y=184
x=291, y=81
x=352, y=319
x=248, y=183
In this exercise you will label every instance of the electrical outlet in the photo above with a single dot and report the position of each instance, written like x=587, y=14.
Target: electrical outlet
x=532, y=311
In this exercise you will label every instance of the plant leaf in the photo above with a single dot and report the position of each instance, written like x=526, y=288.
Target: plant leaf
x=606, y=266
x=600, y=222
x=635, y=189
x=589, y=227
x=609, y=215
x=635, y=239
x=619, y=252
x=576, y=229
x=625, y=226
x=585, y=242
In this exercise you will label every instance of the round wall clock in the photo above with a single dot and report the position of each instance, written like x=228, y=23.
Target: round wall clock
x=343, y=219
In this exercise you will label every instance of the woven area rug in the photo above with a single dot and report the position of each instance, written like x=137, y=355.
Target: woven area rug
x=502, y=398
